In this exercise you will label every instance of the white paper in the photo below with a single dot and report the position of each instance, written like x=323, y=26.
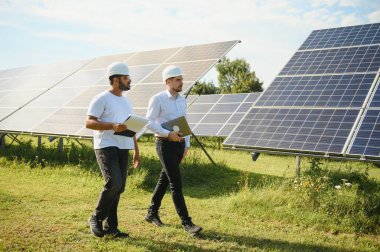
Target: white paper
x=135, y=122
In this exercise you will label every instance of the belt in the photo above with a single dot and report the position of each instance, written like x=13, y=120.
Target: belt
x=166, y=139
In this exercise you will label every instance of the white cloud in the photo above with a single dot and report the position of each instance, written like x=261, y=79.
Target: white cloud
x=351, y=3
x=352, y=20
x=321, y=3
x=271, y=30
x=374, y=17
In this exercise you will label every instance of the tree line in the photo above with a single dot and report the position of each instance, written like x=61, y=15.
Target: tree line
x=234, y=76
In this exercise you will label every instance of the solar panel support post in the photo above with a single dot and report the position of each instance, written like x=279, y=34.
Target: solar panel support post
x=298, y=165
x=39, y=148
x=255, y=156
x=2, y=142
x=196, y=138
x=204, y=150
x=60, y=149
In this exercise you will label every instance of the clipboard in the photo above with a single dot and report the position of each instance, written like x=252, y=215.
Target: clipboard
x=179, y=124
x=134, y=124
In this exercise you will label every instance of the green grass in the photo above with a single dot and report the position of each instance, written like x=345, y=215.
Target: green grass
x=242, y=205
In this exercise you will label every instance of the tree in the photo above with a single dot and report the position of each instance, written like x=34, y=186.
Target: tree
x=202, y=88
x=236, y=77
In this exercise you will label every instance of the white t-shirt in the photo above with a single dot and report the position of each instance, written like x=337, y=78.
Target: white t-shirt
x=108, y=107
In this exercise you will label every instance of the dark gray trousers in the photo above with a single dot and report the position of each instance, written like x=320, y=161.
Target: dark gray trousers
x=170, y=154
x=113, y=163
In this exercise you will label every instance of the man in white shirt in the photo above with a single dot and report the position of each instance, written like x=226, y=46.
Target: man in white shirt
x=171, y=147
x=106, y=114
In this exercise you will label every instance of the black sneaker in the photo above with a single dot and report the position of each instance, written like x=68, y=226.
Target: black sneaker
x=191, y=228
x=153, y=218
x=116, y=233
x=96, y=227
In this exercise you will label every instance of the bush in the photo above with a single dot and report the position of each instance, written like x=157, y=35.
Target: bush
x=349, y=196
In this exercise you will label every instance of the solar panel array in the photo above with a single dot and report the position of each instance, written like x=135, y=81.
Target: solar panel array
x=320, y=98
x=58, y=106
x=218, y=114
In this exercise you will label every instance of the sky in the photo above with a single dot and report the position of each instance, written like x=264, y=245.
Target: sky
x=47, y=31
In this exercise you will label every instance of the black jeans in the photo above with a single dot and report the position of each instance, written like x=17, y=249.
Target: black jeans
x=170, y=154
x=113, y=163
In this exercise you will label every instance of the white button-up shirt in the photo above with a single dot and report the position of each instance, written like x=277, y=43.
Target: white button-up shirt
x=164, y=107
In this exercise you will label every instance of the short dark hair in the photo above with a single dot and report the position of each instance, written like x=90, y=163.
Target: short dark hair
x=113, y=77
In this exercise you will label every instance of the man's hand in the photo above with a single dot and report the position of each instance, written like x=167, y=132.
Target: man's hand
x=136, y=160
x=184, y=154
x=118, y=127
x=175, y=136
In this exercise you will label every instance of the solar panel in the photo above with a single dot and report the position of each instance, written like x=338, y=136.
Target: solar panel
x=20, y=86
x=83, y=99
x=320, y=130
x=190, y=99
x=24, y=120
x=65, y=121
x=201, y=52
x=152, y=57
x=375, y=102
x=61, y=110
x=103, y=61
x=367, y=139
x=216, y=115
x=321, y=91
x=140, y=94
x=344, y=36
x=83, y=78
x=332, y=61
x=191, y=71
x=140, y=72
x=15, y=99
x=319, y=98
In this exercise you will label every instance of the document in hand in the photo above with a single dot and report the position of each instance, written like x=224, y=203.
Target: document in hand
x=134, y=124
x=179, y=124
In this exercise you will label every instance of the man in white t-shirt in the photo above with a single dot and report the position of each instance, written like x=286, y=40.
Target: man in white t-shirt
x=106, y=114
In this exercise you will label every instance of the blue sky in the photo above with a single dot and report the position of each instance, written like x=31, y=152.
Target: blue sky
x=42, y=31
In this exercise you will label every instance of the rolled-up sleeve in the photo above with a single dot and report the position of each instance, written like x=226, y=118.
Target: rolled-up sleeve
x=152, y=115
x=187, y=141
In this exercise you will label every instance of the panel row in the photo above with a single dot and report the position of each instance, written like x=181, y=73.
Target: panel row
x=315, y=130
x=330, y=61
x=343, y=36
x=318, y=91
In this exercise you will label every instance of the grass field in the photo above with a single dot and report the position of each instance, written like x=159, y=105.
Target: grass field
x=242, y=205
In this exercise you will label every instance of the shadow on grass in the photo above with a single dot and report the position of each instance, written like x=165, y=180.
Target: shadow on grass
x=251, y=242
x=200, y=179
x=244, y=243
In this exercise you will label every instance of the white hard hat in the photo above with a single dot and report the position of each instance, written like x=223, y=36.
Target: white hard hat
x=171, y=71
x=117, y=68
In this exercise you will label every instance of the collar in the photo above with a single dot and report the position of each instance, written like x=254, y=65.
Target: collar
x=170, y=96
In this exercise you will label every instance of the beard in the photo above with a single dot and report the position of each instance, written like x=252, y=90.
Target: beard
x=124, y=87
x=178, y=89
